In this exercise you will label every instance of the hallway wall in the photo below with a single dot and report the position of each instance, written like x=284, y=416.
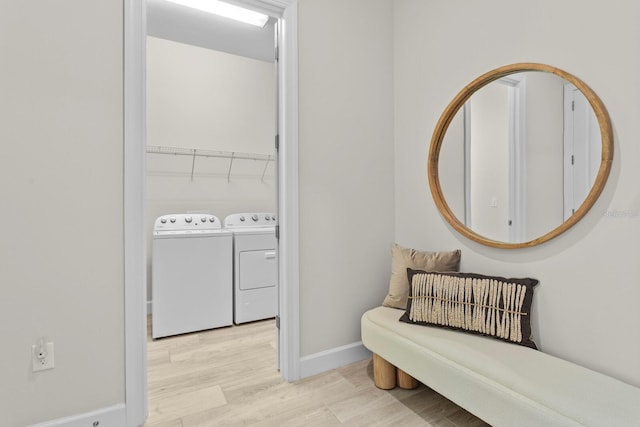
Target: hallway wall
x=61, y=178
x=346, y=168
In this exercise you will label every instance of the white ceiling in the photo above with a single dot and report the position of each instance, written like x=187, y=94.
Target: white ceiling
x=170, y=21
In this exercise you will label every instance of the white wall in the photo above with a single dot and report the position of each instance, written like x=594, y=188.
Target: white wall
x=585, y=306
x=346, y=166
x=202, y=98
x=209, y=100
x=61, y=264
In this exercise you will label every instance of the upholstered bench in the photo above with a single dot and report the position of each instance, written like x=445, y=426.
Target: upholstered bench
x=502, y=383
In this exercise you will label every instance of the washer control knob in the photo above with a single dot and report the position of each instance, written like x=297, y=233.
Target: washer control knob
x=188, y=220
x=242, y=218
x=203, y=219
x=172, y=219
x=212, y=219
x=254, y=217
x=267, y=217
x=163, y=220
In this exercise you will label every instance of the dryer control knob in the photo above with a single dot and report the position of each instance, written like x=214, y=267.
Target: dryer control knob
x=212, y=219
x=188, y=220
x=203, y=219
x=267, y=217
x=163, y=220
x=254, y=217
x=172, y=219
x=242, y=218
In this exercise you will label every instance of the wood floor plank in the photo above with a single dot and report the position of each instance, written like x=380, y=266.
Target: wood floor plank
x=431, y=406
x=322, y=417
x=174, y=405
x=172, y=423
x=361, y=403
x=391, y=414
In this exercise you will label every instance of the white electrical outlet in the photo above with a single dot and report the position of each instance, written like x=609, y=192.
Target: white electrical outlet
x=42, y=356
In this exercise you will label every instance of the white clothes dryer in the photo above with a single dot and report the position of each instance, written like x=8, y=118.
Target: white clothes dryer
x=191, y=276
x=255, y=266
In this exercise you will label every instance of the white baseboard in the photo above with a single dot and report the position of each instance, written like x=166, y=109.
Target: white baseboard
x=331, y=359
x=113, y=416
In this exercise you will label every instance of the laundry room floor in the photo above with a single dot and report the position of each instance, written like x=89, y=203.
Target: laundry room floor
x=227, y=377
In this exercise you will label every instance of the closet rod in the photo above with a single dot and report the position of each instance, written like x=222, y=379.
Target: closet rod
x=153, y=149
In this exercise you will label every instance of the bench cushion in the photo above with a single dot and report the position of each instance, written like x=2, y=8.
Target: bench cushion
x=502, y=383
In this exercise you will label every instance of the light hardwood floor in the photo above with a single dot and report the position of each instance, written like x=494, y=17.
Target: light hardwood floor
x=227, y=377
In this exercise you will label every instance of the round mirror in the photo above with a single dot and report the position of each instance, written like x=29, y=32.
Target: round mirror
x=520, y=155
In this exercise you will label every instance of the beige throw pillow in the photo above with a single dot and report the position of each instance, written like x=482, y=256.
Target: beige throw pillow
x=403, y=258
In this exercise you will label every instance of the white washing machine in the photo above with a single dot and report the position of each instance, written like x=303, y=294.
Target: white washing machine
x=255, y=266
x=191, y=276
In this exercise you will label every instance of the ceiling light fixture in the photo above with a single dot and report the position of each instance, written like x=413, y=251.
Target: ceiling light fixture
x=227, y=10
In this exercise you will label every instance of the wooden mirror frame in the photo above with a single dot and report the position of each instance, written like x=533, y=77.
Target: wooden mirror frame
x=452, y=109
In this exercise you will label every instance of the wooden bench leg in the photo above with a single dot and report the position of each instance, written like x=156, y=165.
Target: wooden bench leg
x=384, y=373
x=406, y=381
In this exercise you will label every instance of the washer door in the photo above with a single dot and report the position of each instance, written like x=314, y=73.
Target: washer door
x=258, y=269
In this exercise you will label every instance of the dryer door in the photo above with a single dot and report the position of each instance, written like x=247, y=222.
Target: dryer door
x=258, y=269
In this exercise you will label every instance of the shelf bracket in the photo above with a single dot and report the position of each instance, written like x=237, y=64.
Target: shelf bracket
x=193, y=164
x=230, y=165
x=264, y=172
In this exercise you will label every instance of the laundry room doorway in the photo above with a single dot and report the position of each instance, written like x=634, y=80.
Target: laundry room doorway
x=190, y=169
x=211, y=130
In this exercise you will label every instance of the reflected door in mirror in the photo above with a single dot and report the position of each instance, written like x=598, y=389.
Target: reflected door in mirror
x=582, y=144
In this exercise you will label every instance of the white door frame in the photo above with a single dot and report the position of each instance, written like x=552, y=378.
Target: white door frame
x=135, y=282
x=586, y=156
x=517, y=158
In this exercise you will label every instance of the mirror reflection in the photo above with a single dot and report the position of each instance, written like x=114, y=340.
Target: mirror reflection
x=520, y=157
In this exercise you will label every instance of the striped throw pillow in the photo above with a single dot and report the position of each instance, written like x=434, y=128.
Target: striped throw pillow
x=493, y=306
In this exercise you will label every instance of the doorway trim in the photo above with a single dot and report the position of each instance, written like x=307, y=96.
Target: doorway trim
x=135, y=281
x=517, y=209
